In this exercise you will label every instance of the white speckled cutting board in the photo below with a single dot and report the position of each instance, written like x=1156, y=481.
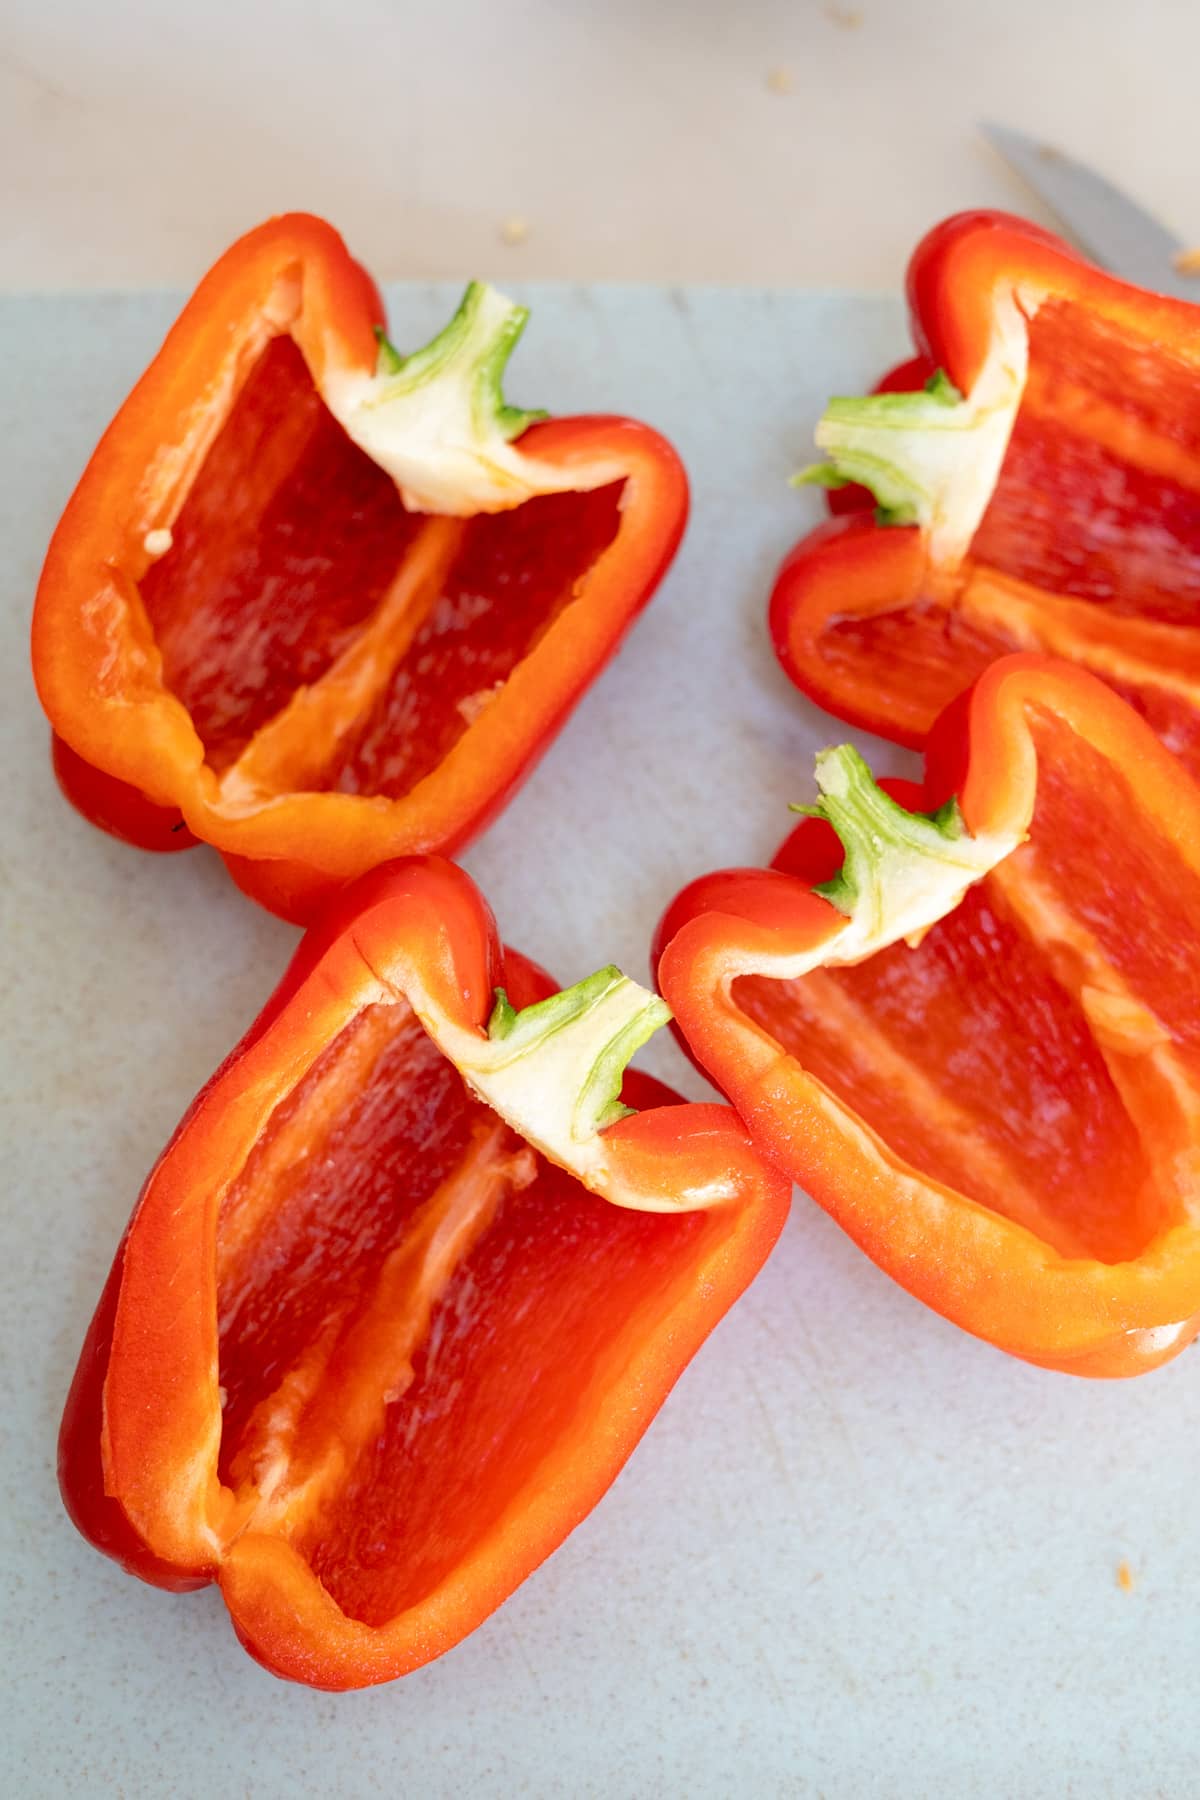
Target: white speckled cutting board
x=858, y=1553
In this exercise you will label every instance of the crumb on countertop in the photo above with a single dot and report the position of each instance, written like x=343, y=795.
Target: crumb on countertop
x=780, y=79
x=1125, y=1577
x=848, y=17
x=514, y=229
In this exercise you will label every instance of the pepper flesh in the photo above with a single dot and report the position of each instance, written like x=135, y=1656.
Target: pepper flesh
x=1003, y=1112
x=1084, y=544
x=244, y=635
x=365, y=1357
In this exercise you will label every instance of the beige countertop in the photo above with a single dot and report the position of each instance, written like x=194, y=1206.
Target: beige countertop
x=807, y=142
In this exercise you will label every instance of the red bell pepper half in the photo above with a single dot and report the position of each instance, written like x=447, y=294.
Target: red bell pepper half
x=965, y=1016
x=320, y=604
x=404, y=1290
x=1038, y=490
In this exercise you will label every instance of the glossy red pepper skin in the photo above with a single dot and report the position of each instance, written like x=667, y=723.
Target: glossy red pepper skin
x=123, y=811
x=1089, y=547
x=267, y=684
x=1005, y=1116
x=275, y=1394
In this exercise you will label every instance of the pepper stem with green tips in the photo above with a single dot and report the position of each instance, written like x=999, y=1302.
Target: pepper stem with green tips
x=931, y=458
x=554, y=1070
x=903, y=870
x=436, y=418
x=888, y=443
x=594, y=1028
x=473, y=349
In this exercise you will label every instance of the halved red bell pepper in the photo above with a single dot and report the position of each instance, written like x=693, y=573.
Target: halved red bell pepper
x=1040, y=492
x=319, y=604
x=404, y=1289
x=965, y=1016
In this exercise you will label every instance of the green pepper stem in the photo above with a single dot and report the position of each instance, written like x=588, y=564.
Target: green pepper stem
x=899, y=866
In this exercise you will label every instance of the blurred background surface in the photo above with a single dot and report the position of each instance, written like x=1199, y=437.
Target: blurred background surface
x=777, y=141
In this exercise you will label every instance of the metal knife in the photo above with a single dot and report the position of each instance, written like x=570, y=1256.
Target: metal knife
x=1105, y=223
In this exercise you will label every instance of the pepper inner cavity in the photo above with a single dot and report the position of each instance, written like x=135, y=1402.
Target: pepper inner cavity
x=1099, y=494
x=1038, y=1051
x=319, y=634
x=302, y=1441
x=382, y=1190
x=369, y=1190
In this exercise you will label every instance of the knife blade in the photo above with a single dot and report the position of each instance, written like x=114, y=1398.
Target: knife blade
x=1105, y=223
